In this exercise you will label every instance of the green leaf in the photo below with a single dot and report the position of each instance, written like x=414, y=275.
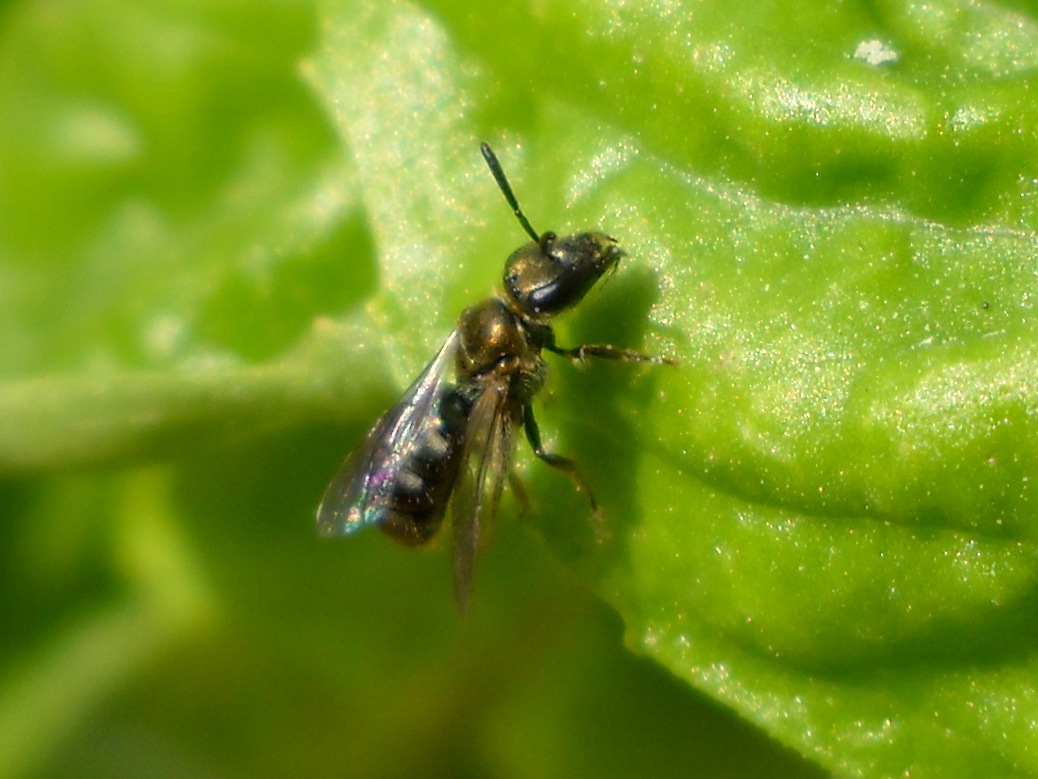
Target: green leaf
x=224, y=228
x=823, y=517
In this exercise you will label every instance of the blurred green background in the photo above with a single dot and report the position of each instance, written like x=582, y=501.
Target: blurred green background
x=231, y=233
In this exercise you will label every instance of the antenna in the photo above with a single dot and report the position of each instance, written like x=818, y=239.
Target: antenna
x=506, y=189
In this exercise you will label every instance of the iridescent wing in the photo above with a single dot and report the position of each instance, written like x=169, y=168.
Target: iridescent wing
x=366, y=489
x=485, y=463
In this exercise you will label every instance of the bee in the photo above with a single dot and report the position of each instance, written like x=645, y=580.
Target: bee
x=450, y=437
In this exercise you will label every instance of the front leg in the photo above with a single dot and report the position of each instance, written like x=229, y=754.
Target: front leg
x=607, y=352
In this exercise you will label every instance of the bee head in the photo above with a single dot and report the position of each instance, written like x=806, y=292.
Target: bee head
x=546, y=277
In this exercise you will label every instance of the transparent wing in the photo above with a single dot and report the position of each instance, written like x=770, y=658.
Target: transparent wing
x=358, y=495
x=485, y=464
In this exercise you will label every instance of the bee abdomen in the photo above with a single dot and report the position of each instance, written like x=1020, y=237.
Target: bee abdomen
x=416, y=497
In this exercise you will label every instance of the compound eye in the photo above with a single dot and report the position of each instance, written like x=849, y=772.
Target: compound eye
x=545, y=299
x=527, y=270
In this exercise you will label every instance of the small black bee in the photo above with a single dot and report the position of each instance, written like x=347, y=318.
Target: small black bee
x=452, y=430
